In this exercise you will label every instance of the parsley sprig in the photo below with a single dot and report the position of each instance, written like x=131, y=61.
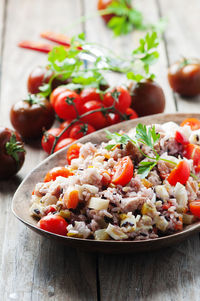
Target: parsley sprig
x=85, y=64
x=144, y=136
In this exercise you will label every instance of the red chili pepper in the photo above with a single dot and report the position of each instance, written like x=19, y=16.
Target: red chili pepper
x=41, y=47
x=55, y=37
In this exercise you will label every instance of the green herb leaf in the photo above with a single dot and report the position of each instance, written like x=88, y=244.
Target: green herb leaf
x=145, y=167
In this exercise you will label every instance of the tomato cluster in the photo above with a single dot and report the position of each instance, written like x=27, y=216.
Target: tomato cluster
x=85, y=112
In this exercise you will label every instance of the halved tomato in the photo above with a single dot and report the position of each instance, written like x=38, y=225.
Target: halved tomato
x=123, y=171
x=195, y=208
x=192, y=122
x=192, y=151
x=179, y=174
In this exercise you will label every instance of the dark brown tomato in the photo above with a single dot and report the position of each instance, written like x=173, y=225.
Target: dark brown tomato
x=32, y=116
x=147, y=98
x=37, y=78
x=12, y=153
x=184, y=77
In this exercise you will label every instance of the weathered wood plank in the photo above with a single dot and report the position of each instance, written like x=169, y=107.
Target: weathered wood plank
x=182, y=39
x=166, y=274
x=31, y=267
x=96, y=31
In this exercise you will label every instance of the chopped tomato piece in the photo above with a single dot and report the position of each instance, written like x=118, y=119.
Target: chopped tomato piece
x=166, y=206
x=192, y=122
x=50, y=209
x=71, y=199
x=192, y=151
x=181, y=138
x=54, y=224
x=179, y=174
x=56, y=172
x=73, y=152
x=123, y=171
x=195, y=208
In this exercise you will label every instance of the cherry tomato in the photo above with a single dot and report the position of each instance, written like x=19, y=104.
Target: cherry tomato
x=184, y=77
x=56, y=92
x=195, y=208
x=79, y=130
x=54, y=224
x=192, y=122
x=181, y=138
x=123, y=171
x=97, y=119
x=88, y=94
x=103, y=4
x=63, y=143
x=37, y=78
x=12, y=153
x=30, y=117
x=123, y=102
x=49, y=138
x=148, y=98
x=57, y=172
x=112, y=118
x=131, y=114
x=179, y=174
x=71, y=199
x=66, y=105
x=192, y=151
x=73, y=152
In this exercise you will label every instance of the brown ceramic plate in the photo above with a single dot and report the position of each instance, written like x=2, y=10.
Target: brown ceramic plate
x=21, y=203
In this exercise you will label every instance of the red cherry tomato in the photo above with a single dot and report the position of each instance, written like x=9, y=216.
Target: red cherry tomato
x=89, y=94
x=192, y=151
x=79, y=130
x=56, y=172
x=181, y=138
x=123, y=171
x=195, y=208
x=67, y=104
x=192, y=122
x=112, y=118
x=73, y=152
x=123, y=102
x=179, y=174
x=97, y=119
x=54, y=224
x=48, y=139
x=63, y=143
x=55, y=93
x=131, y=113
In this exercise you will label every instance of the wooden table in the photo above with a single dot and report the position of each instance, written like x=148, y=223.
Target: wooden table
x=34, y=268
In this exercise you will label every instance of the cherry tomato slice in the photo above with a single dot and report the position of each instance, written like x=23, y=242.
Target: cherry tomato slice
x=54, y=224
x=56, y=172
x=181, y=138
x=192, y=151
x=192, y=122
x=195, y=208
x=123, y=171
x=73, y=152
x=179, y=174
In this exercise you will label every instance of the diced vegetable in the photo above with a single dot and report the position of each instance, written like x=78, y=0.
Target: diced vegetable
x=195, y=208
x=71, y=199
x=188, y=219
x=57, y=172
x=116, y=233
x=101, y=234
x=98, y=203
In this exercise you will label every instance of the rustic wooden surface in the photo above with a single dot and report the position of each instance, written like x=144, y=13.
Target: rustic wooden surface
x=34, y=268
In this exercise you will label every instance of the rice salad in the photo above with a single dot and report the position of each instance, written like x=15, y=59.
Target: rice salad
x=139, y=185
